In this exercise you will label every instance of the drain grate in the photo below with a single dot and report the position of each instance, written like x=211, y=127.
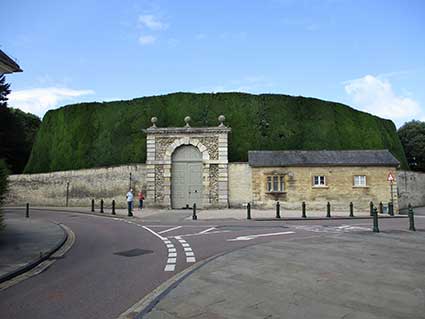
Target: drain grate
x=134, y=252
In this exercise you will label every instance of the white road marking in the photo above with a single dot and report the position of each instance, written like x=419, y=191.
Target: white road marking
x=170, y=267
x=171, y=262
x=190, y=255
x=170, y=229
x=206, y=230
x=332, y=229
x=198, y=234
x=249, y=237
x=154, y=233
x=190, y=259
x=172, y=255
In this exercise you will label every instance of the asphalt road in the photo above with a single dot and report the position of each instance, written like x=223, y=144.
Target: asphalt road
x=114, y=263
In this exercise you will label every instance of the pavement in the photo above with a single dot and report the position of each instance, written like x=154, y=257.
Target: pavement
x=173, y=215
x=224, y=268
x=346, y=275
x=25, y=242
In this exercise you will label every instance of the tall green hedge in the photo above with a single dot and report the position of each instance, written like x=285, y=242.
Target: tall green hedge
x=102, y=134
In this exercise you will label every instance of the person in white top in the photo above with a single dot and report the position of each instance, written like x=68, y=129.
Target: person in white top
x=130, y=198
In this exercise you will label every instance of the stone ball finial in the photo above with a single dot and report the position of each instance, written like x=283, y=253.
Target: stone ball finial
x=153, y=121
x=187, y=119
x=221, y=119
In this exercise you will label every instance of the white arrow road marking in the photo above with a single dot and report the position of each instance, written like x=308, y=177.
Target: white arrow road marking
x=249, y=237
x=169, y=229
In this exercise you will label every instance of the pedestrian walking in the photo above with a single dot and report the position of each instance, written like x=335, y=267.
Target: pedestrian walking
x=130, y=198
x=141, y=199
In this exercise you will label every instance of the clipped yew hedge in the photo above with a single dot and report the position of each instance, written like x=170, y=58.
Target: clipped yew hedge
x=102, y=134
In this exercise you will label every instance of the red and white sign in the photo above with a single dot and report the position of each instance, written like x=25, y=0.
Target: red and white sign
x=390, y=177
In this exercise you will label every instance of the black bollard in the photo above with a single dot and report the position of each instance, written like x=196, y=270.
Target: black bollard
x=113, y=207
x=194, y=217
x=411, y=219
x=130, y=205
x=375, y=220
x=371, y=208
x=92, y=205
x=303, y=210
x=101, y=205
x=351, y=209
x=390, y=209
x=27, y=211
x=277, y=210
x=248, y=211
x=328, y=210
x=381, y=208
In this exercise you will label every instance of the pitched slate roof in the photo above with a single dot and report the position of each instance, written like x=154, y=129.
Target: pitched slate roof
x=322, y=158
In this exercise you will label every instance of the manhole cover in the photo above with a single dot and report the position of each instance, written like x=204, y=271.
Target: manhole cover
x=134, y=252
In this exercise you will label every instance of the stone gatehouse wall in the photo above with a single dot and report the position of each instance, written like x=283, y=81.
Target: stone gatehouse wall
x=411, y=188
x=49, y=189
x=110, y=183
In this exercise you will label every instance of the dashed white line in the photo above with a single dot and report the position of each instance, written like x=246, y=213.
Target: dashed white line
x=170, y=267
x=190, y=255
x=172, y=253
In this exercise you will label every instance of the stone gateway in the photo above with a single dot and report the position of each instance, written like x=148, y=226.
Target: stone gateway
x=187, y=165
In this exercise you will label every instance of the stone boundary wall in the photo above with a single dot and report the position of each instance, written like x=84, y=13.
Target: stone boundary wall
x=240, y=186
x=411, y=188
x=49, y=189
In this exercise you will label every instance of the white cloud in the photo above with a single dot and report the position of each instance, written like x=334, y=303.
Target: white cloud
x=375, y=95
x=151, y=22
x=39, y=100
x=146, y=39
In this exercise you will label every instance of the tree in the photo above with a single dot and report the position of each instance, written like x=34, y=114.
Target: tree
x=3, y=188
x=17, y=132
x=412, y=137
x=4, y=91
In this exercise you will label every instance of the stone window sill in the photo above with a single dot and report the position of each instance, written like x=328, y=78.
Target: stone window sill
x=320, y=187
x=360, y=186
x=275, y=193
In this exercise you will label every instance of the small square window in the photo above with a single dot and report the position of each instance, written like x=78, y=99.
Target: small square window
x=319, y=181
x=360, y=180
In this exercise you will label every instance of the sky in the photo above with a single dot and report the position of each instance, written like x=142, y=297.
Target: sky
x=366, y=54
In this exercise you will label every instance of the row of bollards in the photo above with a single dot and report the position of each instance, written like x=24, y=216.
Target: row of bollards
x=373, y=213
x=102, y=205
